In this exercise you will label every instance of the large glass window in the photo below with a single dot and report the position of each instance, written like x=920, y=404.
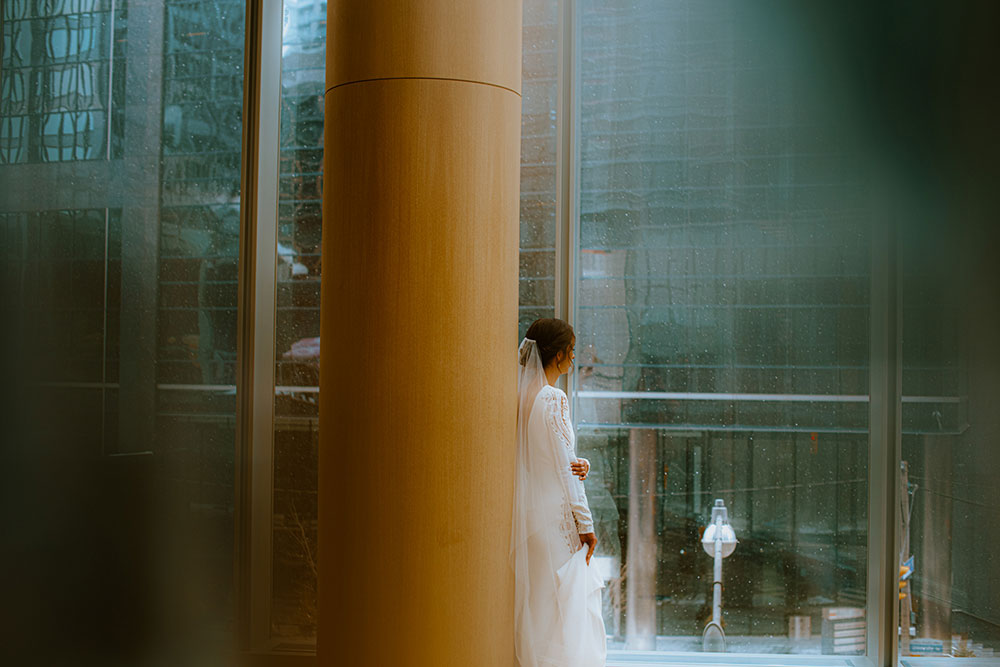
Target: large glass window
x=722, y=296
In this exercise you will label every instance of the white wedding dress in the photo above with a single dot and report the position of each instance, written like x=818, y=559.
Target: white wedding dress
x=558, y=621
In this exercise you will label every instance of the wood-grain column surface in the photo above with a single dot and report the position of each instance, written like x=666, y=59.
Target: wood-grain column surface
x=419, y=319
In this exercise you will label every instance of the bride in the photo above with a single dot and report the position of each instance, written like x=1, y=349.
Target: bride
x=557, y=596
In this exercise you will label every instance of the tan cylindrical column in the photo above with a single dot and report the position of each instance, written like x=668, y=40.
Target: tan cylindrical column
x=419, y=319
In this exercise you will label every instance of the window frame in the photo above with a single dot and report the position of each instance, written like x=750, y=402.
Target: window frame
x=254, y=460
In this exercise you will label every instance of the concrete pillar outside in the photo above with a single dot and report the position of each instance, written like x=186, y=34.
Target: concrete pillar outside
x=640, y=581
x=419, y=326
x=933, y=562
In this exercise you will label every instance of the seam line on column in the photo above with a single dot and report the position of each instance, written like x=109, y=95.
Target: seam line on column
x=424, y=78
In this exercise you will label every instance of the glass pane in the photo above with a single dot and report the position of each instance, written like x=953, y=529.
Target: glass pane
x=539, y=95
x=120, y=142
x=722, y=327
x=300, y=224
x=950, y=587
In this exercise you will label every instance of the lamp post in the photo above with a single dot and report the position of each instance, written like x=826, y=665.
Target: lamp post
x=719, y=541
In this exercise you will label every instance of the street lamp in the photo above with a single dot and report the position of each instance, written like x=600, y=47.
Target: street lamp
x=718, y=541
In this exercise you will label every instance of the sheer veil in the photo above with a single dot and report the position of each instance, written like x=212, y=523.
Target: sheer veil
x=527, y=520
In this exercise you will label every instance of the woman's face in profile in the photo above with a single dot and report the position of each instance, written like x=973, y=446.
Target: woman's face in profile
x=566, y=365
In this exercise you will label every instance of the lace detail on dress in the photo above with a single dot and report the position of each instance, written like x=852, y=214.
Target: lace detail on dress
x=576, y=518
x=568, y=528
x=556, y=409
x=564, y=414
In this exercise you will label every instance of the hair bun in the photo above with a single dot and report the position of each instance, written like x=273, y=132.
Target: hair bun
x=552, y=337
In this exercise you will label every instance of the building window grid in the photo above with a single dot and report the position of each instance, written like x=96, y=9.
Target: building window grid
x=62, y=99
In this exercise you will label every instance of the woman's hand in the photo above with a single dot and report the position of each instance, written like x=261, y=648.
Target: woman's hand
x=590, y=541
x=580, y=468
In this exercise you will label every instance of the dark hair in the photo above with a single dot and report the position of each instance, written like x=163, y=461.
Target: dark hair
x=552, y=336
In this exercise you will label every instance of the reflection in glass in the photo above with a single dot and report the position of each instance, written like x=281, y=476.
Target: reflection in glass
x=63, y=80
x=722, y=326
x=539, y=94
x=196, y=267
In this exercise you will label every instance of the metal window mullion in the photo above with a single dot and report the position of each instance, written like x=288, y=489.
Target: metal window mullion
x=884, y=449
x=111, y=77
x=264, y=321
x=255, y=390
x=244, y=326
x=104, y=335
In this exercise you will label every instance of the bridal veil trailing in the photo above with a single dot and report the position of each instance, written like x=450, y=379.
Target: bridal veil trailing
x=557, y=595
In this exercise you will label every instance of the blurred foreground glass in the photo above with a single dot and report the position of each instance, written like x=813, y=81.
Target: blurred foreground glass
x=120, y=140
x=950, y=571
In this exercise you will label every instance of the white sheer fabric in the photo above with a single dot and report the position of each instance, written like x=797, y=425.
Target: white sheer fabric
x=557, y=599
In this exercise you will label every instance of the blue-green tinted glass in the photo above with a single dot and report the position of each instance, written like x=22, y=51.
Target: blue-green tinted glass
x=722, y=326
x=63, y=80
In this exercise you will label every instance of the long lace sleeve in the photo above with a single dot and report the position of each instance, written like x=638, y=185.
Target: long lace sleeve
x=557, y=420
